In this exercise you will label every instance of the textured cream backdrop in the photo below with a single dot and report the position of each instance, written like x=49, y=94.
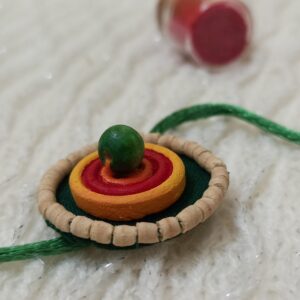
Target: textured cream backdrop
x=69, y=69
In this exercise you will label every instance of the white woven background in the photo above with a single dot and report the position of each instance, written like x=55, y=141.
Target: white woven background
x=69, y=69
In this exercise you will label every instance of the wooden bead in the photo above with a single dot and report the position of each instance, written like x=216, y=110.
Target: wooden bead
x=151, y=138
x=208, y=205
x=219, y=171
x=63, y=167
x=45, y=199
x=214, y=192
x=53, y=211
x=88, y=149
x=101, y=232
x=147, y=233
x=49, y=182
x=190, y=217
x=124, y=235
x=220, y=181
x=63, y=221
x=74, y=157
x=203, y=158
x=165, y=140
x=123, y=146
x=168, y=228
x=198, y=151
x=177, y=145
x=81, y=226
x=213, y=162
x=189, y=148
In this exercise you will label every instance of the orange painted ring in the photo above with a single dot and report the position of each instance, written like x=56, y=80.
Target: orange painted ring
x=134, y=206
x=135, y=177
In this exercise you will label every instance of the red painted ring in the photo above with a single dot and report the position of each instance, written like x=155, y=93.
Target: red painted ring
x=161, y=169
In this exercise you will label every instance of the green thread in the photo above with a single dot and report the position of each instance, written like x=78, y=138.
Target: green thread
x=34, y=250
x=203, y=111
x=62, y=245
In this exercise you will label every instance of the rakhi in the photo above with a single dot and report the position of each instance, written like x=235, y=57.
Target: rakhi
x=136, y=190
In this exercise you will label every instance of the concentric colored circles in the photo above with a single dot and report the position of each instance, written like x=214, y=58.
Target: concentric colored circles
x=144, y=172
x=160, y=168
x=134, y=201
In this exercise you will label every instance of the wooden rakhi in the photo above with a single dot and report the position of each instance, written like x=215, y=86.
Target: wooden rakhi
x=186, y=194
x=104, y=232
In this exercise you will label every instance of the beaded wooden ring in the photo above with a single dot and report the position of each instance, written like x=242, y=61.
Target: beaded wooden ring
x=142, y=232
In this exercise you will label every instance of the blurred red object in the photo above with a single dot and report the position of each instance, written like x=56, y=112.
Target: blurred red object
x=214, y=32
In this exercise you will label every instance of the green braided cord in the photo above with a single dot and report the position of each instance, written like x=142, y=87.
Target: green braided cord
x=62, y=245
x=202, y=111
x=34, y=250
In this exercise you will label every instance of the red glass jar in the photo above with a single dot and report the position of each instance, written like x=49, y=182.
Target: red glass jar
x=215, y=32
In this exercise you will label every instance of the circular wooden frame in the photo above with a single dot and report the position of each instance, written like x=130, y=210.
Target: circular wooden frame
x=143, y=232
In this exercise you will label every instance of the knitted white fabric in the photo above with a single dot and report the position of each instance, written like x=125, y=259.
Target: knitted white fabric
x=69, y=69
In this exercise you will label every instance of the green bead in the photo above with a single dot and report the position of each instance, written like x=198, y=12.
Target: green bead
x=124, y=146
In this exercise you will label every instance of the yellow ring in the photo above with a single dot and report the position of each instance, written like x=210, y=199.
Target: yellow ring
x=129, y=207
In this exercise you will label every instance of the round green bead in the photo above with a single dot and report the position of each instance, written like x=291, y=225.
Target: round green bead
x=124, y=146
